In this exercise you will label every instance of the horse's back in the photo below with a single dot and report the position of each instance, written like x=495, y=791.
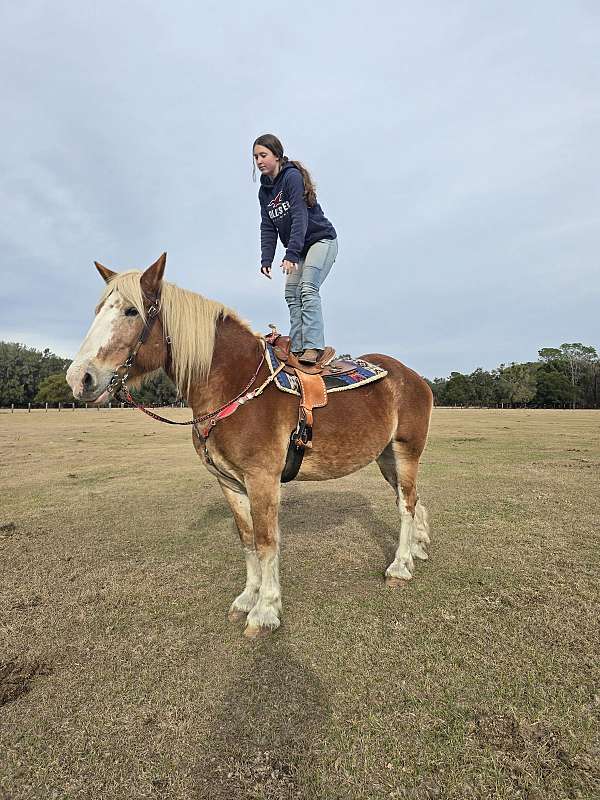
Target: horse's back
x=405, y=380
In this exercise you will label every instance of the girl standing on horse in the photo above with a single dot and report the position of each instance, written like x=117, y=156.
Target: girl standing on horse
x=289, y=209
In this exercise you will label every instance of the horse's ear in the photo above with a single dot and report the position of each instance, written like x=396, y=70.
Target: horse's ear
x=152, y=277
x=106, y=273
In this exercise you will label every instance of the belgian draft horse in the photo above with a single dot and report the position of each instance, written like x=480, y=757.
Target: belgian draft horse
x=210, y=354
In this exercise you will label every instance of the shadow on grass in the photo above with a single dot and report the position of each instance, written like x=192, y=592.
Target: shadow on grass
x=343, y=512
x=261, y=738
x=324, y=512
x=211, y=516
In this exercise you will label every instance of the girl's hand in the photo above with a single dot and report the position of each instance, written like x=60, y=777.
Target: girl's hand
x=288, y=267
x=266, y=270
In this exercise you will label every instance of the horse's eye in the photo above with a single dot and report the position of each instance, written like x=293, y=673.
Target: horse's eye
x=131, y=312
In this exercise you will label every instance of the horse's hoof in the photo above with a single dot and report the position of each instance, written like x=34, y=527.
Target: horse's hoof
x=257, y=633
x=235, y=615
x=395, y=583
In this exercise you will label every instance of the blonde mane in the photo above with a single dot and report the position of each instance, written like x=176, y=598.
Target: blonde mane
x=188, y=319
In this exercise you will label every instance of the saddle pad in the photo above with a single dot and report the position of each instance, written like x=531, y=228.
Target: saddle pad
x=363, y=373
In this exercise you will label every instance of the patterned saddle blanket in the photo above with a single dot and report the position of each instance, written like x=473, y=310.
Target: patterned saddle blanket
x=356, y=372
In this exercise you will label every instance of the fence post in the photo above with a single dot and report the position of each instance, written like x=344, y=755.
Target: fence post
x=73, y=406
x=12, y=408
x=110, y=406
x=46, y=407
x=29, y=408
x=59, y=406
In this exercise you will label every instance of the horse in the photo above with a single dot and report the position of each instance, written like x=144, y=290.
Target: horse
x=143, y=323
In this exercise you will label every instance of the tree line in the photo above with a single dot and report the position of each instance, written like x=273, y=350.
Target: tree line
x=29, y=376
x=563, y=377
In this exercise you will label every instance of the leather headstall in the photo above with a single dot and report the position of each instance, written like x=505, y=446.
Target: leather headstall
x=120, y=375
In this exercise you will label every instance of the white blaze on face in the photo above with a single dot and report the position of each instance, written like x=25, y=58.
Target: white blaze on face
x=99, y=335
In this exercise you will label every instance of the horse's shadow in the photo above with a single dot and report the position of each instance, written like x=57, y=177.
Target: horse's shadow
x=333, y=509
x=262, y=736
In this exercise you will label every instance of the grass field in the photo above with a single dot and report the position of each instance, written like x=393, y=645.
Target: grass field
x=121, y=677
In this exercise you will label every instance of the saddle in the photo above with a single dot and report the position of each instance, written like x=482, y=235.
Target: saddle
x=312, y=383
x=313, y=394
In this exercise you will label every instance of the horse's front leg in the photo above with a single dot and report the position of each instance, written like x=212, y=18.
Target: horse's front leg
x=240, y=508
x=263, y=492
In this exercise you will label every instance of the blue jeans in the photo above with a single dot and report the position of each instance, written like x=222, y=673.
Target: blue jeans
x=303, y=299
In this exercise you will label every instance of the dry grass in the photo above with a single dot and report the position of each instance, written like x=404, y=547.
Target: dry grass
x=120, y=676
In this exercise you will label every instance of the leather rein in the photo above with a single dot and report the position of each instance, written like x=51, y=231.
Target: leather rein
x=117, y=385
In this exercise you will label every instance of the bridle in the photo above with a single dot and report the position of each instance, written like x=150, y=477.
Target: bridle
x=117, y=385
x=119, y=377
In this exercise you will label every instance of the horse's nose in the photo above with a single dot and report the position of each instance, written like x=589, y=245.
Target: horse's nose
x=89, y=383
x=82, y=379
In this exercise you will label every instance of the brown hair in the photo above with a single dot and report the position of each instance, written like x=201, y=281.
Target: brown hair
x=272, y=143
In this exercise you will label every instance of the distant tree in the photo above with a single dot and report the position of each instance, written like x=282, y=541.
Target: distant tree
x=591, y=387
x=503, y=387
x=579, y=358
x=11, y=391
x=157, y=390
x=520, y=380
x=21, y=370
x=437, y=386
x=50, y=363
x=550, y=354
x=553, y=388
x=457, y=391
x=54, y=389
x=578, y=361
x=483, y=388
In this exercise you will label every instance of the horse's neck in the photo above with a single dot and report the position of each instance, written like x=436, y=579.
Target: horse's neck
x=236, y=356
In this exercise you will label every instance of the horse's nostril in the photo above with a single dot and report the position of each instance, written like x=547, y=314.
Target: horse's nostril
x=88, y=381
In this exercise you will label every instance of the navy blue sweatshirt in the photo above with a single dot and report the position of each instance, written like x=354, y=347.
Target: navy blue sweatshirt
x=284, y=212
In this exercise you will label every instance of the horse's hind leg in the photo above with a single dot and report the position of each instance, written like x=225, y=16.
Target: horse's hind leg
x=399, y=467
x=240, y=508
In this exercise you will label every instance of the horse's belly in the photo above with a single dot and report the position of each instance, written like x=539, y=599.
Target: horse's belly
x=321, y=469
x=342, y=444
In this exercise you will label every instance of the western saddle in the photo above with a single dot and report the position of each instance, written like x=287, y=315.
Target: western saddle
x=313, y=393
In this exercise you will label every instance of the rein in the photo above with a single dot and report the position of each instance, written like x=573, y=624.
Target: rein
x=118, y=383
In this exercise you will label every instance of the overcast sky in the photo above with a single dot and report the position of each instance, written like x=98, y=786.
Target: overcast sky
x=454, y=146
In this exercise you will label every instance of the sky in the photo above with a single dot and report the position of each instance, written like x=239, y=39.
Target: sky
x=454, y=147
